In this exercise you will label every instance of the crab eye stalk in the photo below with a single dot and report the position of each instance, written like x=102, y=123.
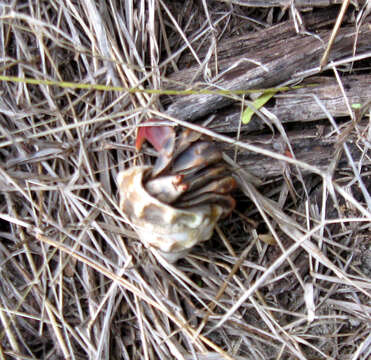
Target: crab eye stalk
x=176, y=203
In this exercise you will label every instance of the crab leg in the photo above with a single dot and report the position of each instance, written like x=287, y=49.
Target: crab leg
x=166, y=188
x=196, y=157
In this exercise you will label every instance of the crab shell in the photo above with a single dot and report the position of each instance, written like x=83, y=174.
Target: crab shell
x=173, y=231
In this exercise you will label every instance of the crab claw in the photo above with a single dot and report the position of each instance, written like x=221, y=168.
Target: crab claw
x=162, y=138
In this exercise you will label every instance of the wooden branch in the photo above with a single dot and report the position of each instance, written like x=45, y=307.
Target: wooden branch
x=270, y=57
x=300, y=105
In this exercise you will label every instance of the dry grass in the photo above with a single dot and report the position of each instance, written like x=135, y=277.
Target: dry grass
x=75, y=281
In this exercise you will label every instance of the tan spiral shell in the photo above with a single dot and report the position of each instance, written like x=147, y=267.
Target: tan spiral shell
x=170, y=230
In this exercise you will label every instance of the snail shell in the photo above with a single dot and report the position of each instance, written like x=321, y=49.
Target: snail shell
x=171, y=230
x=177, y=202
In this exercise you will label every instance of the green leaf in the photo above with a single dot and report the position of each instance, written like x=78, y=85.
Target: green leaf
x=258, y=103
x=356, y=106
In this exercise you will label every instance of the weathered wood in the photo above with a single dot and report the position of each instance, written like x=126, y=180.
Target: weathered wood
x=287, y=3
x=310, y=145
x=237, y=48
x=282, y=57
x=300, y=105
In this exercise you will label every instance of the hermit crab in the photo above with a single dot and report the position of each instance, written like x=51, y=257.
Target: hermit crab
x=177, y=202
